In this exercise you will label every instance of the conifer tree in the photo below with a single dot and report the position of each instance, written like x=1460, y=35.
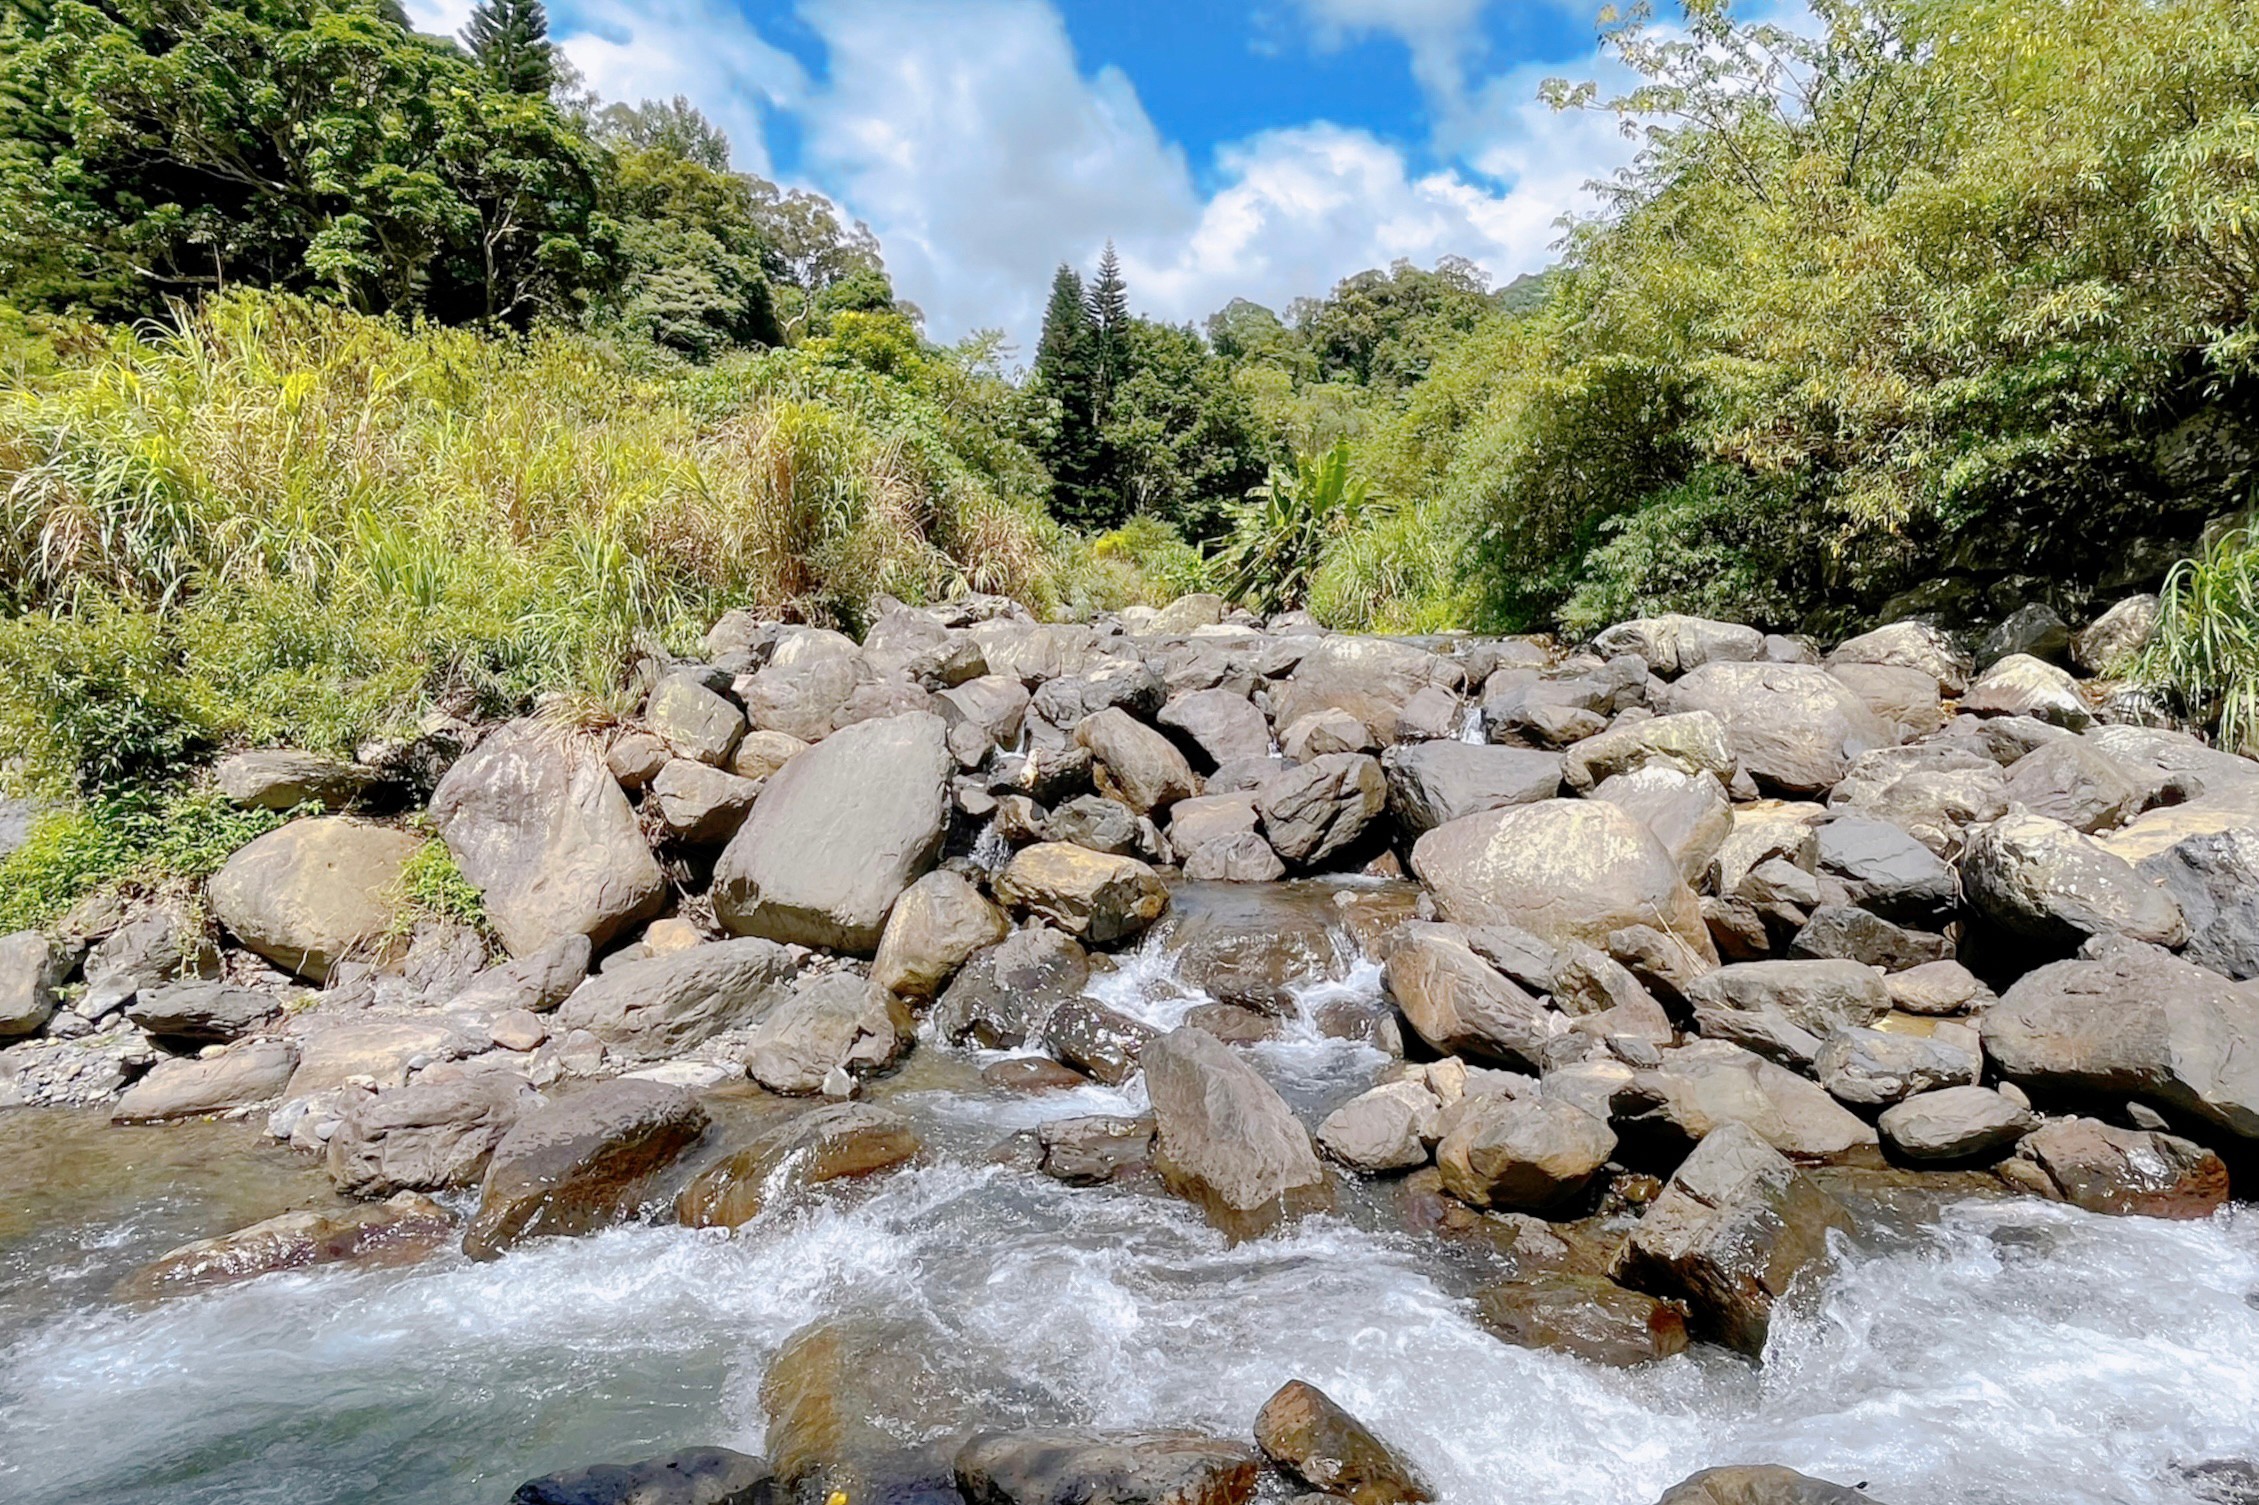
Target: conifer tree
x=510, y=39
x=1107, y=303
x=1066, y=372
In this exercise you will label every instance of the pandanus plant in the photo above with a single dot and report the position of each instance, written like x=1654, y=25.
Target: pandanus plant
x=1279, y=538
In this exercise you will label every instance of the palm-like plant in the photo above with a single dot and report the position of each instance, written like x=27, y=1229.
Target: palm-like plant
x=2206, y=648
x=1279, y=539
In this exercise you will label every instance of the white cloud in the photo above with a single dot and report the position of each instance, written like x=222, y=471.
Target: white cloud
x=704, y=49
x=1442, y=36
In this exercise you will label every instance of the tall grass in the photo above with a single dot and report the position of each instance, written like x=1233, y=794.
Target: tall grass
x=273, y=521
x=2206, y=648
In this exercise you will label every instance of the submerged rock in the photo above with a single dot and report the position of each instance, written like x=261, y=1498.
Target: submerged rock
x=404, y=1228
x=1057, y=1466
x=1304, y=1432
x=582, y=1164
x=694, y=1476
x=1760, y=1484
x=1587, y=1316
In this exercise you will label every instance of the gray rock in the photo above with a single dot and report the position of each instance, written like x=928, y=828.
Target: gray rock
x=694, y=1476
x=1244, y=858
x=427, y=1136
x=1840, y=932
x=1760, y=1484
x=2134, y=1023
x=1096, y=822
x=1324, y=731
x=1062, y=1467
x=661, y=1006
x=1887, y=870
x=1314, y=810
x=536, y=982
x=2215, y=881
x=1095, y=1149
x=1458, y=1003
x=1940, y=987
x=253, y=1071
x=700, y=805
x=1226, y=1138
x=31, y=968
x=538, y=824
x=1909, y=645
x=1092, y=896
x=2074, y=781
x=1386, y=1129
x=1955, y=1125
x=581, y=1164
x=1134, y=763
x=1434, y=783
x=1791, y=726
x=2040, y=882
x=1561, y=870
x=939, y=921
x=1127, y=685
x=1002, y=995
x=1820, y=996
x=2020, y=685
x=1706, y=1085
x=837, y=835
x=911, y=644
x=307, y=895
x=838, y=1022
x=760, y=754
x=1729, y=1236
x=1194, y=823
x=1906, y=699
x=1690, y=743
x=1523, y=1154
x=1871, y=1068
x=1370, y=678
x=1675, y=644
x=2033, y=629
x=982, y=714
x=694, y=721
x=1102, y=1043
x=203, y=1012
x=1221, y=724
x=284, y=779
x=1687, y=812
x=2113, y=640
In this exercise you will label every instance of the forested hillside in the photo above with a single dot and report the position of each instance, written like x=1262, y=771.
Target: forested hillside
x=353, y=373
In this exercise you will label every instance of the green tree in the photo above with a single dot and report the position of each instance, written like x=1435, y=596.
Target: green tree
x=510, y=40
x=672, y=127
x=1180, y=436
x=1063, y=389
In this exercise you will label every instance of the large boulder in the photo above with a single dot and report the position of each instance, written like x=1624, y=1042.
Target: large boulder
x=1223, y=725
x=1093, y=896
x=2020, y=685
x=694, y=1476
x=2074, y=781
x=1678, y=644
x=939, y=921
x=982, y=714
x=2044, y=884
x=282, y=778
x=840, y=1022
x=1124, y=684
x=1909, y=645
x=838, y=1142
x=31, y=968
x=1389, y=1128
x=1794, y=727
x=1761, y=1484
x=1001, y=997
x=1887, y=870
x=203, y=1013
x=540, y=827
x=1064, y=1467
x=1522, y=1153
x=693, y=721
x=306, y=896
x=427, y=1136
x=1955, y=1124
x=1587, y=1316
x=838, y=834
x=660, y=1006
x=1562, y=870
x=582, y=1164
x=1905, y=699
x=1709, y=1085
x=1692, y=742
x=1370, y=678
x=1431, y=784
x=1688, y=813
x=917, y=645
x=1458, y=1003
x=699, y=805
x=536, y=982
x=1304, y=1432
x=1729, y=1235
x=2214, y=878
x=1226, y=1139
x=251, y=1071
x=1870, y=1069
x=1820, y=996
x=2126, y=1172
x=1136, y=764
x=2133, y=1023
x=1314, y=810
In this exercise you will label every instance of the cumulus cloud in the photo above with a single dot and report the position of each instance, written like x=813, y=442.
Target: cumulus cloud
x=1443, y=36
x=704, y=49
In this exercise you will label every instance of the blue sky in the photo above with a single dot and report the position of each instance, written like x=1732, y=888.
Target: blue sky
x=1232, y=148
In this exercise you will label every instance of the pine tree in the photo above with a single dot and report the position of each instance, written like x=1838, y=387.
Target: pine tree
x=1107, y=304
x=510, y=39
x=1066, y=374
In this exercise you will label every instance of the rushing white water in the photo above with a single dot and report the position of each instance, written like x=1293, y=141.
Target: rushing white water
x=2013, y=1352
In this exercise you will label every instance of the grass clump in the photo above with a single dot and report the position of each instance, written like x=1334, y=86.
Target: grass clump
x=433, y=888
x=139, y=843
x=2205, y=652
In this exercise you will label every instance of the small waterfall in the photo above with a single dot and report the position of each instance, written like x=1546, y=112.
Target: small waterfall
x=990, y=850
x=1471, y=728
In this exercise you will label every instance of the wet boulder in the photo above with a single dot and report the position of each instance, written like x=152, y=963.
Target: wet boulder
x=1225, y=1138
x=1222, y=725
x=841, y=1141
x=247, y=1072
x=1389, y=1128
x=1092, y=896
x=1102, y=1043
x=1434, y=783
x=1760, y=1484
x=1136, y=764
x=1304, y=1432
x=939, y=921
x=1314, y=810
x=282, y=778
x=870, y=1408
x=694, y=1476
x=1072, y=1467
x=1370, y=678
x=309, y=894
x=2133, y=1023
x=1955, y=1125
x=1095, y=1149
x=1458, y=1003
x=404, y=1228
x=1522, y=1154
x=1729, y=1235
x=1587, y=1316
x=2039, y=882
x=31, y=969
x=660, y=1006
x=1000, y=998
x=581, y=1164
x=1793, y=727
x=1560, y=869
x=694, y=721
x=427, y=1136
x=2214, y=878
x=838, y=1022
x=2126, y=1172
x=837, y=835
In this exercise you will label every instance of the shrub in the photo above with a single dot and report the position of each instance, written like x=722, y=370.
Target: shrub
x=141, y=842
x=2206, y=648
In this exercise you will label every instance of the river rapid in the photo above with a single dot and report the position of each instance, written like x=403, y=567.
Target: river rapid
x=1972, y=1351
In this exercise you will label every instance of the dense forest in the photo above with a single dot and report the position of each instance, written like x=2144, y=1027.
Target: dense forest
x=353, y=375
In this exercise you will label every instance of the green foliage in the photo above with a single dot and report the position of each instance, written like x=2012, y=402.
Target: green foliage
x=509, y=39
x=1279, y=539
x=140, y=841
x=432, y=887
x=2206, y=648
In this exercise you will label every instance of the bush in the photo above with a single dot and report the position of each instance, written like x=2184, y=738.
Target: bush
x=141, y=843
x=2206, y=649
